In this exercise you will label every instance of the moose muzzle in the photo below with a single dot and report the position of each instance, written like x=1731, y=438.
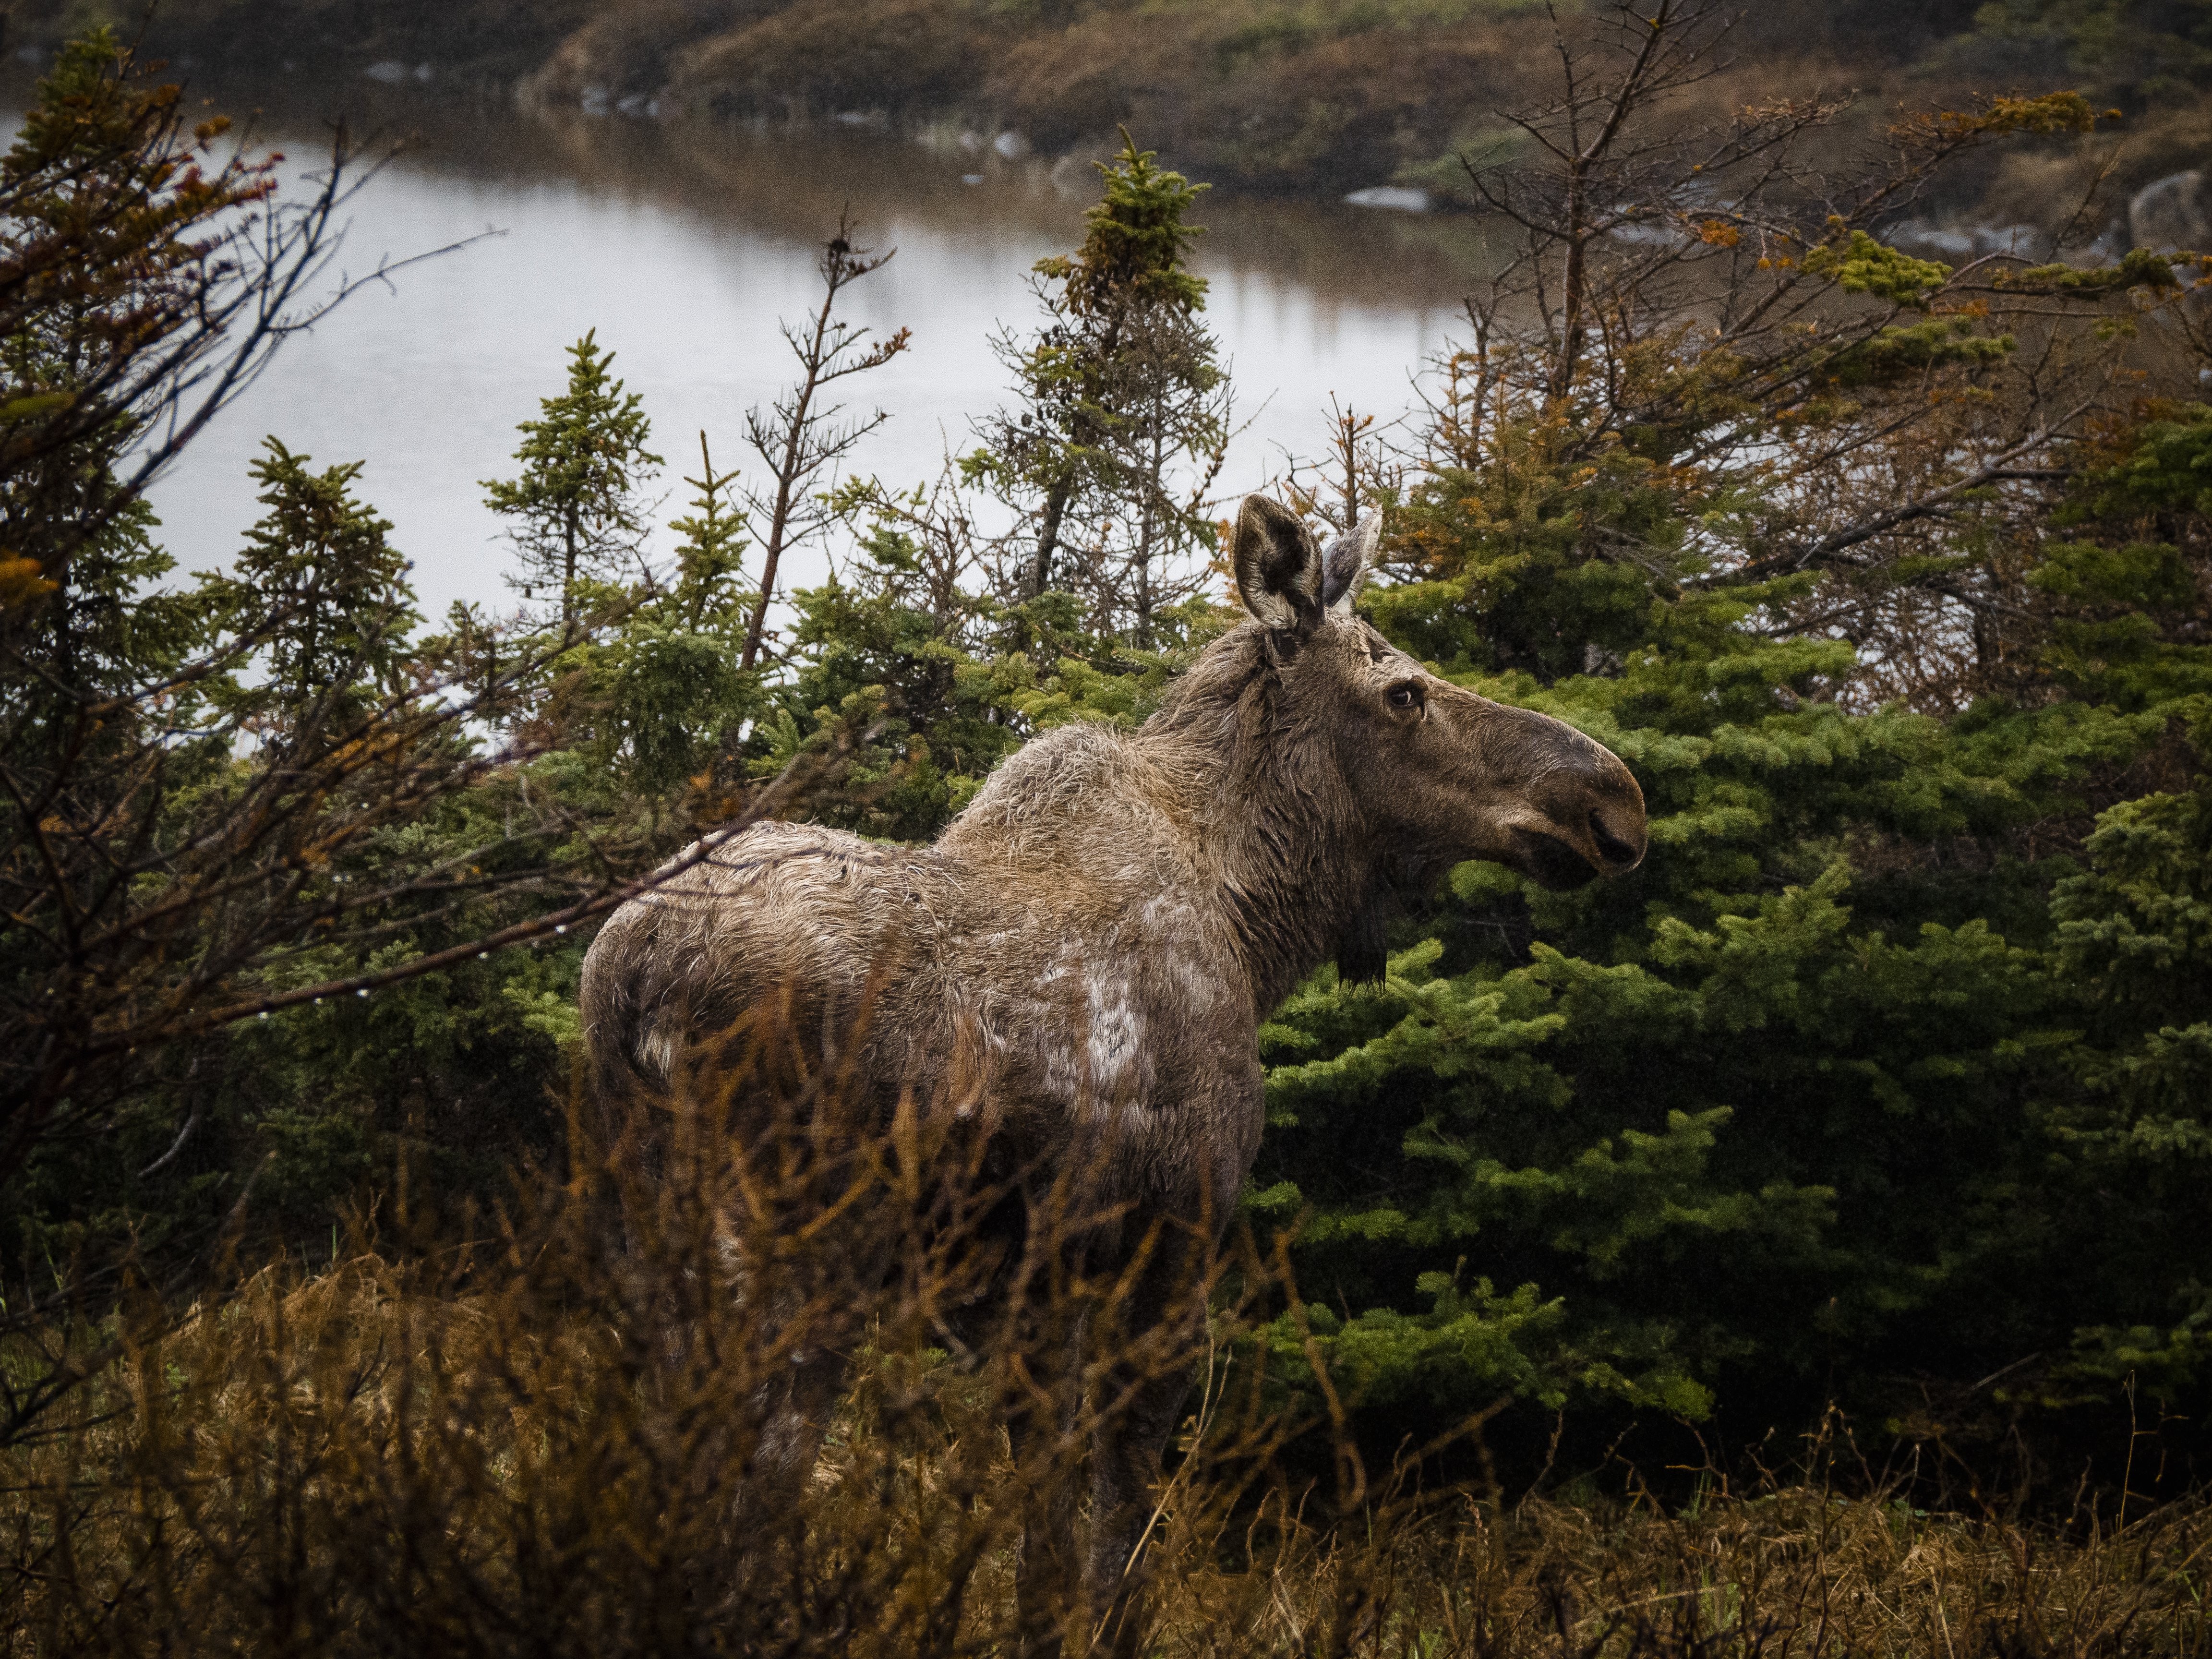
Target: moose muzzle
x=1587, y=818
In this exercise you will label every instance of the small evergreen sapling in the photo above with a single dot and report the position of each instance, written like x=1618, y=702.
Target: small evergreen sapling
x=574, y=511
x=674, y=697
x=1124, y=412
x=710, y=577
x=321, y=584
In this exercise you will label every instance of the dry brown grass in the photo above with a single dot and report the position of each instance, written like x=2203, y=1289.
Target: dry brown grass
x=1794, y=1570
x=561, y=1439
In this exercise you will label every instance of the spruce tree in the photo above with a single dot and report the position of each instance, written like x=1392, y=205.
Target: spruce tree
x=321, y=582
x=1859, y=1078
x=1124, y=409
x=710, y=557
x=574, y=512
x=673, y=693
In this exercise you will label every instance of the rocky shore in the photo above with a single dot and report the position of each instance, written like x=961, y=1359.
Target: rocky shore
x=1373, y=101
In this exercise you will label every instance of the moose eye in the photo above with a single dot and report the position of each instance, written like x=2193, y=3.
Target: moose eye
x=1406, y=695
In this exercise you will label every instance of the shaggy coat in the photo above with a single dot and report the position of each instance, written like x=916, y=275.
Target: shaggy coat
x=1082, y=960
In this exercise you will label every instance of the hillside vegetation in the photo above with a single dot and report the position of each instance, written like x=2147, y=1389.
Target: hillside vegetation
x=1302, y=95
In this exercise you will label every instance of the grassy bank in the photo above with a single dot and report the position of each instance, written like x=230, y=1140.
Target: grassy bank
x=567, y=1429
x=512, y=1454
x=1314, y=96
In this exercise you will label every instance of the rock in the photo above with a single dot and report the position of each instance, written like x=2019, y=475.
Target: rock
x=1074, y=175
x=971, y=178
x=858, y=118
x=1010, y=146
x=1918, y=236
x=594, y=101
x=423, y=72
x=638, y=106
x=1955, y=244
x=2172, y=214
x=2026, y=241
x=2111, y=244
x=389, y=72
x=1396, y=199
x=30, y=54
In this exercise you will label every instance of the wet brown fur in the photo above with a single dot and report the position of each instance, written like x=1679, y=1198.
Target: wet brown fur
x=1081, y=961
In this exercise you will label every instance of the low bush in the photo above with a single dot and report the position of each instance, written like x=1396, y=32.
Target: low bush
x=573, y=1434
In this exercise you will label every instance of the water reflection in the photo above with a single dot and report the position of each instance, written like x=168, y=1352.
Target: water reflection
x=684, y=246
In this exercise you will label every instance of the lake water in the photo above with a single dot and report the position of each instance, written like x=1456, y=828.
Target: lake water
x=683, y=248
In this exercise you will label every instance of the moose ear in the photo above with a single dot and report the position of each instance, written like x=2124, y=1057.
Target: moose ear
x=1344, y=564
x=1278, y=565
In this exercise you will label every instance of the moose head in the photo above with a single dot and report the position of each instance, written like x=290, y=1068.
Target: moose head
x=1427, y=774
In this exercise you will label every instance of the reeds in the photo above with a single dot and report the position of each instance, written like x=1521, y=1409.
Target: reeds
x=750, y=1394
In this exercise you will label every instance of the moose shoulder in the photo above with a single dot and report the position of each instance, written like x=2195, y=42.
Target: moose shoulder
x=1083, y=958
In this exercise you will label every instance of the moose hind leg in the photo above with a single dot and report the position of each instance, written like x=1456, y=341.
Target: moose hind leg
x=786, y=1415
x=798, y=1409
x=1044, y=1431
x=1125, y=1450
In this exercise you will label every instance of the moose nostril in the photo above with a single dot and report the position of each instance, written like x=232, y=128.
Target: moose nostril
x=1611, y=846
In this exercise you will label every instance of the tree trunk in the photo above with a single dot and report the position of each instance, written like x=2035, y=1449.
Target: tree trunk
x=568, y=528
x=1082, y=432
x=1038, y=577
x=1148, y=526
x=772, y=554
x=1571, y=298
x=790, y=467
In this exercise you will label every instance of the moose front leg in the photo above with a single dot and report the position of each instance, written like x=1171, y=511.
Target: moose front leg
x=1125, y=1477
x=1135, y=1397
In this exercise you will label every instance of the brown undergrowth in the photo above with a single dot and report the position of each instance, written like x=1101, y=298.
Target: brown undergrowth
x=569, y=1435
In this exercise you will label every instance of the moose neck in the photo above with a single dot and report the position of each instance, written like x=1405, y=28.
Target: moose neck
x=1281, y=826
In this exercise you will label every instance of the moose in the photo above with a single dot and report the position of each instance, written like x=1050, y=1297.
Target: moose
x=1083, y=957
